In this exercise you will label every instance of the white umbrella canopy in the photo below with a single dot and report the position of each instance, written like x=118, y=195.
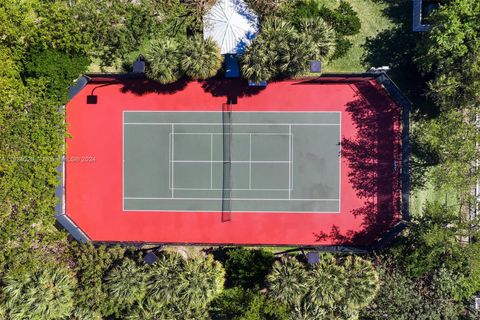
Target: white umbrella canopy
x=231, y=24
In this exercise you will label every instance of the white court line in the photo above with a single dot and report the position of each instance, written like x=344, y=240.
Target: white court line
x=340, y=165
x=239, y=211
x=233, y=124
x=216, y=189
x=250, y=164
x=290, y=162
x=214, y=111
x=248, y=124
x=234, y=161
x=211, y=161
x=173, y=160
x=123, y=161
x=170, y=161
x=233, y=134
x=239, y=199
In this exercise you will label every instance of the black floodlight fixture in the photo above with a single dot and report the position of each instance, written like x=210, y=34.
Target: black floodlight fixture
x=92, y=99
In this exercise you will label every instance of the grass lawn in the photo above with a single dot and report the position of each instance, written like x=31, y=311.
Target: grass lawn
x=429, y=193
x=373, y=19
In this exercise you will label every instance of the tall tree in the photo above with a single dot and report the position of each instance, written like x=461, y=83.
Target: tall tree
x=450, y=53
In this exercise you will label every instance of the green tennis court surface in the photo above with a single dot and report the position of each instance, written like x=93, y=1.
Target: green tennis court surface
x=279, y=161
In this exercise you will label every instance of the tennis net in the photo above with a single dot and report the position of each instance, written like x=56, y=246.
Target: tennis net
x=227, y=162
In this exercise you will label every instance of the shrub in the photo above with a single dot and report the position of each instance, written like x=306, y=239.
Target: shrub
x=115, y=28
x=91, y=266
x=266, y=8
x=203, y=59
x=57, y=69
x=246, y=304
x=342, y=46
x=196, y=10
x=44, y=293
x=403, y=298
x=247, y=268
x=125, y=285
x=343, y=19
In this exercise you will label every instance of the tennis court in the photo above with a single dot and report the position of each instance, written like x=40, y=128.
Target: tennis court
x=299, y=162
x=243, y=161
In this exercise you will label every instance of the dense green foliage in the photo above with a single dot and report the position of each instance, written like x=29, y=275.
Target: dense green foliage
x=245, y=304
x=164, y=61
x=267, y=8
x=115, y=28
x=43, y=292
x=58, y=70
x=180, y=288
x=402, y=298
x=247, y=268
x=332, y=288
x=203, y=59
x=91, y=266
x=283, y=50
x=171, y=59
x=449, y=142
x=343, y=19
x=450, y=54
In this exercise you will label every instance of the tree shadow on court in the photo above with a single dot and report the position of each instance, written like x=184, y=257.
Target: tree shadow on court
x=142, y=86
x=396, y=47
x=373, y=158
x=230, y=88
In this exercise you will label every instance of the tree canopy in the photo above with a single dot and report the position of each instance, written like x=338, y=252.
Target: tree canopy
x=450, y=51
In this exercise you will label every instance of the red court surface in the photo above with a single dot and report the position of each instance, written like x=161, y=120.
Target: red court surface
x=370, y=149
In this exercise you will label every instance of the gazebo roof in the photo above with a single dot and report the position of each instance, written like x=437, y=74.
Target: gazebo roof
x=231, y=24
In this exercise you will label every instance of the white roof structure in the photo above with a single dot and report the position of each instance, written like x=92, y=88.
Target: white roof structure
x=231, y=24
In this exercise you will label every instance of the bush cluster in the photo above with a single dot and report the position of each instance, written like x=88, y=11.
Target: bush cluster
x=344, y=19
x=171, y=59
x=284, y=50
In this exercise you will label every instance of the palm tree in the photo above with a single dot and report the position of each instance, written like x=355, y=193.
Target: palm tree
x=164, y=282
x=321, y=37
x=363, y=282
x=287, y=282
x=268, y=55
x=164, y=60
x=126, y=285
x=202, y=59
x=281, y=50
x=39, y=294
x=180, y=288
x=202, y=279
x=327, y=282
x=256, y=64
